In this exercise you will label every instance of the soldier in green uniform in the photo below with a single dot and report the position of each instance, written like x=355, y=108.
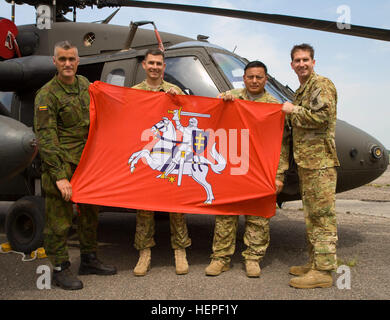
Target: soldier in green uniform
x=154, y=67
x=312, y=119
x=61, y=123
x=256, y=236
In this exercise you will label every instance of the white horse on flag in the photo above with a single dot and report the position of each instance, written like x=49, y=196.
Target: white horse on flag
x=159, y=158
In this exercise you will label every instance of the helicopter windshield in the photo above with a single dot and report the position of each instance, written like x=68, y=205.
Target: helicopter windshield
x=189, y=74
x=233, y=68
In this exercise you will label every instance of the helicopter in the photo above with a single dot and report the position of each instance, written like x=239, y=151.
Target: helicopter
x=113, y=54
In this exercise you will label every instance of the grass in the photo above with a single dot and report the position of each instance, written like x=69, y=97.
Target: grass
x=350, y=263
x=377, y=185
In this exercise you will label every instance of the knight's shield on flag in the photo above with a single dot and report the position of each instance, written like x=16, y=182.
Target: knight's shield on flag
x=199, y=141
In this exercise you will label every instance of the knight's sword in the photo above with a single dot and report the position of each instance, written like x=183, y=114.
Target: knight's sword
x=191, y=114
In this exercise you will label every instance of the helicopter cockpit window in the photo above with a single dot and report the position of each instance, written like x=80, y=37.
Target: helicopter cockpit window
x=5, y=102
x=189, y=74
x=233, y=68
x=116, y=77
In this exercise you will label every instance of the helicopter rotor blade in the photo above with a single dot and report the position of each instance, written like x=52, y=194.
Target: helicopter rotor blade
x=316, y=24
x=308, y=23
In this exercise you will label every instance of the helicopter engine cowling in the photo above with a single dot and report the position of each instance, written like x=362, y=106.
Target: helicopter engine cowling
x=28, y=42
x=26, y=73
x=18, y=147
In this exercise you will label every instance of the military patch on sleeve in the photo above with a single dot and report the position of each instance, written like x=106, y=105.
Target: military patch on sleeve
x=316, y=102
x=42, y=108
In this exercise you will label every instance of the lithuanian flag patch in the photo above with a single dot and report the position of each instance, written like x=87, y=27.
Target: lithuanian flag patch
x=43, y=108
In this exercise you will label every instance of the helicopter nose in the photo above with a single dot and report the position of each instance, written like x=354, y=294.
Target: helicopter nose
x=18, y=147
x=362, y=157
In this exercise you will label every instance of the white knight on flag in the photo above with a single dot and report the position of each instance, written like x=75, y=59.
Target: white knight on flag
x=187, y=145
x=184, y=159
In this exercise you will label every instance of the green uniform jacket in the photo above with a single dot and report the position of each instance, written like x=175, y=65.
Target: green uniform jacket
x=243, y=95
x=313, y=125
x=164, y=86
x=61, y=123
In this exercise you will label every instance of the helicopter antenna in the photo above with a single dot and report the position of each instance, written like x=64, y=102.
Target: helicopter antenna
x=108, y=19
x=13, y=11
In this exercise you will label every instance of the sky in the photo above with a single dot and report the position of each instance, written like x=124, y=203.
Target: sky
x=358, y=67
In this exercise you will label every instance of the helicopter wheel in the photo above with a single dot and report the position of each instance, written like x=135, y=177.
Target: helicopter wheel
x=24, y=224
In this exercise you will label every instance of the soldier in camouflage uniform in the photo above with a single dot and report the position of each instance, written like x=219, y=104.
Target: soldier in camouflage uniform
x=61, y=124
x=154, y=67
x=312, y=119
x=256, y=236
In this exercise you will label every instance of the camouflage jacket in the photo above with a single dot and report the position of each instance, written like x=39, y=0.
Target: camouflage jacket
x=61, y=123
x=313, y=125
x=243, y=95
x=164, y=86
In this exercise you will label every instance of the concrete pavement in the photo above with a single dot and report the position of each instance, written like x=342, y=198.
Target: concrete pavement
x=371, y=208
x=364, y=243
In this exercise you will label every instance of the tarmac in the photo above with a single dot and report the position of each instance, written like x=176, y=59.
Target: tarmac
x=363, y=253
x=362, y=207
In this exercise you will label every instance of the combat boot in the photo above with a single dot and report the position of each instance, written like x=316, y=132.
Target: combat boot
x=143, y=264
x=90, y=264
x=181, y=261
x=63, y=277
x=216, y=267
x=252, y=268
x=300, y=270
x=313, y=279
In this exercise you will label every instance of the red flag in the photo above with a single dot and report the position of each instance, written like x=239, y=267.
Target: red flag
x=226, y=159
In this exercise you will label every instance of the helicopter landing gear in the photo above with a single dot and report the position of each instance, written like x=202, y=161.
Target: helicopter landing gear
x=24, y=224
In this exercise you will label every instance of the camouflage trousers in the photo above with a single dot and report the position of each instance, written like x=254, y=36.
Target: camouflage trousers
x=318, y=188
x=145, y=228
x=256, y=237
x=59, y=216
